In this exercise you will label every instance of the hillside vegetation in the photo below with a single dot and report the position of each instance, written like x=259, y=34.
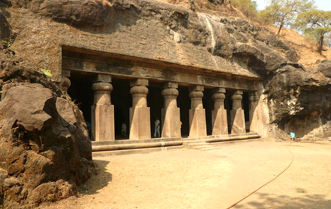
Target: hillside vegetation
x=305, y=46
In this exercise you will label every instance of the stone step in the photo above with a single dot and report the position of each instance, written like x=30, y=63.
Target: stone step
x=129, y=146
x=134, y=151
x=150, y=145
x=128, y=141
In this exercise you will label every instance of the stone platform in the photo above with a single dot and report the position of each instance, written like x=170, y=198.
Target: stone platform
x=120, y=147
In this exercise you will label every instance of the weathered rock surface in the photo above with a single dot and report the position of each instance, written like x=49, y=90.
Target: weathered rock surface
x=183, y=36
x=325, y=68
x=44, y=144
x=299, y=100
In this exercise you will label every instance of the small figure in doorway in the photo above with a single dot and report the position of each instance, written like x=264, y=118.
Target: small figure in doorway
x=88, y=124
x=157, y=128
x=123, y=131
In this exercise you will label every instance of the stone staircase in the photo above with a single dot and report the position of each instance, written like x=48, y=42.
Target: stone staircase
x=122, y=147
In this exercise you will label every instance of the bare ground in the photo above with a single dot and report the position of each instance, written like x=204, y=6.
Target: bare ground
x=212, y=179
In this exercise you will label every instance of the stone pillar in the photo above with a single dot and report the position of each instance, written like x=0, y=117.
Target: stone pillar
x=237, y=114
x=197, y=114
x=140, y=127
x=253, y=101
x=171, y=125
x=103, y=128
x=65, y=83
x=219, y=115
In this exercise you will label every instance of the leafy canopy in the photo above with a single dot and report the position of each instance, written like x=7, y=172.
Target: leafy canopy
x=316, y=24
x=247, y=7
x=284, y=12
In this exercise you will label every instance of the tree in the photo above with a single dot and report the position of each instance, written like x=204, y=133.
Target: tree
x=247, y=7
x=284, y=12
x=316, y=24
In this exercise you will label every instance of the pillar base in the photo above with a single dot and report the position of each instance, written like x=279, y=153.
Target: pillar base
x=220, y=122
x=238, y=123
x=171, y=123
x=103, y=126
x=197, y=123
x=140, y=127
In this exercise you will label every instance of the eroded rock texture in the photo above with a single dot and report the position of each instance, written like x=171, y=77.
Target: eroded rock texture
x=44, y=144
x=299, y=101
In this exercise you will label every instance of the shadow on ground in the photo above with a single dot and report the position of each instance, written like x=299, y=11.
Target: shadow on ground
x=97, y=181
x=311, y=201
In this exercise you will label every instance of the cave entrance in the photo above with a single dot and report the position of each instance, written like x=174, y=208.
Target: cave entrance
x=155, y=103
x=245, y=106
x=122, y=101
x=184, y=103
x=82, y=94
x=228, y=107
x=208, y=106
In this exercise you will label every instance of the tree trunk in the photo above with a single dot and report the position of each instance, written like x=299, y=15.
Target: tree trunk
x=320, y=44
x=280, y=28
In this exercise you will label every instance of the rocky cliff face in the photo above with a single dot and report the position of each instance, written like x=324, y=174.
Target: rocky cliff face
x=44, y=144
x=49, y=133
x=188, y=34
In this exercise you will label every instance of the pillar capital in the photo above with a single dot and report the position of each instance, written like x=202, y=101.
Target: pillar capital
x=196, y=94
x=237, y=95
x=103, y=78
x=218, y=96
x=219, y=90
x=170, y=92
x=170, y=85
x=139, y=90
x=102, y=86
x=196, y=88
x=139, y=82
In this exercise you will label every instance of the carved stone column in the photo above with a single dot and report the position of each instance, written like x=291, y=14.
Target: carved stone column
x=237, y=114
x=103, y=128
x=140, y=127
x=170, y=113
x=219, y=116
x=65, y=83
x=197, y=114
x=253, y=102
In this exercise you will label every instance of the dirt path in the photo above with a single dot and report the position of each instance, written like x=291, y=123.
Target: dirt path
x=212, y=179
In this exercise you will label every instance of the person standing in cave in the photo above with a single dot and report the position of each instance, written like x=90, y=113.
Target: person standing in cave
x=157, y=128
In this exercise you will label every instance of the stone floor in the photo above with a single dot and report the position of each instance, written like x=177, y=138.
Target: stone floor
x=212, y=179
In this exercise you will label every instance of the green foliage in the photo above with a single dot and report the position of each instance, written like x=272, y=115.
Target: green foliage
x=8, y=42
x=247, y=7
x=317, y=25
x=46, y=72
x=284, y=12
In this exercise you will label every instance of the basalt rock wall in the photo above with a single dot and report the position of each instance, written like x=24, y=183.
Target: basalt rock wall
x=45, y=150
x=143, y=29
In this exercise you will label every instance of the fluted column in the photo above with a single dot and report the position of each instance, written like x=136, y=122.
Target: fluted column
x=65, y=83
x=237, y=114
x=197, y=114
x=140, y=127
x=253, y=102
x=102, y=112
x=219, y=116
x=171, y=124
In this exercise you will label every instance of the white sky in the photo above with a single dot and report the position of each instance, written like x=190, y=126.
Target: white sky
x=321, y=4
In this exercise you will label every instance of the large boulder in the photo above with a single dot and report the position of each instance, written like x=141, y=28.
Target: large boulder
x=45, y=150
